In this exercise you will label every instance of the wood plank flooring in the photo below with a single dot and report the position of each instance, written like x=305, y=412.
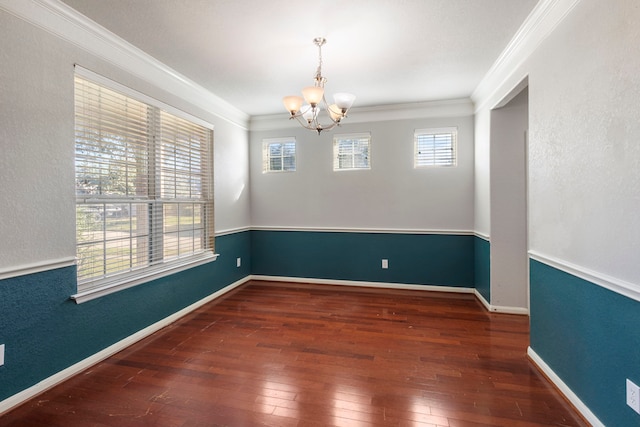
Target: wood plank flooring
x=280, y=354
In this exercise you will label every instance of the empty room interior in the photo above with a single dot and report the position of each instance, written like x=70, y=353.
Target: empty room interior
x=375, y=212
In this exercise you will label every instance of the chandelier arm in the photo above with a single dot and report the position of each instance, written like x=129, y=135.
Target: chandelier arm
x=303, y=122
x=326, y=108
x=299, y=116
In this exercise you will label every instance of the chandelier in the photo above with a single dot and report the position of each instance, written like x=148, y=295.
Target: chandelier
x=311, y=115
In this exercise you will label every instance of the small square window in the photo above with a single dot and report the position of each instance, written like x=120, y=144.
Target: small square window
x=435, y=147
x=351, y=151
x=279, y=155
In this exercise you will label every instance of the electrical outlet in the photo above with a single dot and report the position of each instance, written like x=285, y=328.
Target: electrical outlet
x=633, y=396
x=385, y=263
x=1, y=354
x=238, y=262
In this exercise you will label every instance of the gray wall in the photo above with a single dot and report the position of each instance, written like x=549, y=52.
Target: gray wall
x=509, y=260
x=584, y=150
x=391, y=195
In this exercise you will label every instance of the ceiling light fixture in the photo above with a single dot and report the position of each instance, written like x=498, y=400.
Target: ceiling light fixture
x=309, y=115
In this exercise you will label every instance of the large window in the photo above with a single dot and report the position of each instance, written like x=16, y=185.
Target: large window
x=435, y=147
x=279, y=155
x=351, y=151
x=144, y=199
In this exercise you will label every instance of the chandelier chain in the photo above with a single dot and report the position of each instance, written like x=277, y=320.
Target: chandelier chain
x=320, y=81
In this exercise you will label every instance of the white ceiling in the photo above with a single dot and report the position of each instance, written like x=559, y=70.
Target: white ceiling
x=252, y=52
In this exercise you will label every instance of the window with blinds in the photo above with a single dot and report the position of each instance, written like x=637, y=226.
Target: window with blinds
x=279, y=155
x=435, y=147
x=144, y=190
x=351, y=151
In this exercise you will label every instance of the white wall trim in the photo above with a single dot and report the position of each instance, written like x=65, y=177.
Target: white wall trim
x=72, y=370
x=482, y=299
x=36, y=267
x=364, y=284
x=65, y=22
x=232, y=231
x=564, y=389
x=22, y=270
x=404, y=286
x=482, y=236
x=417, y=110
x=629, y=290
x=521, y=311
x=363, y=230
x=542, y=20
x=500, y=308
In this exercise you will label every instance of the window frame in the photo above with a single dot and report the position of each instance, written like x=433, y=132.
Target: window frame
x=336, y=153
x=266, y=156
x=453, y=131
x=159, y=264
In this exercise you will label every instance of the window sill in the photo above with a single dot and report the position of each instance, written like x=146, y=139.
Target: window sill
x=101, y=289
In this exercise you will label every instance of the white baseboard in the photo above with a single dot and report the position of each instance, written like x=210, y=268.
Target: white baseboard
x=482, y=300
x=500, y=308
x=509, y=310
x=75, y=369
x=386, y=285
x=564, y=389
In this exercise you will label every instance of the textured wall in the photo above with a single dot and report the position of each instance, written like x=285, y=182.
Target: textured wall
x=37, y=189
x=582, y=331
x=584, y=150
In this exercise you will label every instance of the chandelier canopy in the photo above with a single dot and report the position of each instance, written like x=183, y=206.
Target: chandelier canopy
x=311, y=115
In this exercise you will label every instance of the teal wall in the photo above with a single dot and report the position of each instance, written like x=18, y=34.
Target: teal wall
x=482, y=267
x=590, y=337
x=45, y=332
x=430, y=259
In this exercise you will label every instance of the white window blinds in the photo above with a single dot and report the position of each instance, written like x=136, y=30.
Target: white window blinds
x=351, y=151
x=279, y=155
x=144, y=195
x=435, y=147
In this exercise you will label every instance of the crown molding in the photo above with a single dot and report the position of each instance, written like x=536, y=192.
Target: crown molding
x=68, y=24
x=415, y=110
x=542, y=20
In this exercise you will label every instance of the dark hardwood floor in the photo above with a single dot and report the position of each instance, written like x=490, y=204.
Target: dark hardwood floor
x=283, y=354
